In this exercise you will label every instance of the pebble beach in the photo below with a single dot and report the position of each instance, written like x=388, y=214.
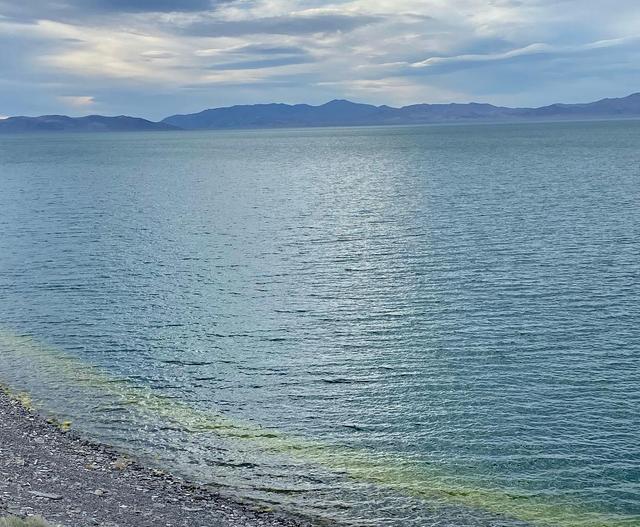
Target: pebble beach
x=48, y=471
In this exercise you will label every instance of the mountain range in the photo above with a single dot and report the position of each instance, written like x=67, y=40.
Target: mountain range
x=90, y=123
x=334, y=113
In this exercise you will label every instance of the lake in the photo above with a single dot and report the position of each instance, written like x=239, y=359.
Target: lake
x=401, y=326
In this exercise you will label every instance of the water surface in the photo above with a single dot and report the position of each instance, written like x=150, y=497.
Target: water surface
x=382, y=326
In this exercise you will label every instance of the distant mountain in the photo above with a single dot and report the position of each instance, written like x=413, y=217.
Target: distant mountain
x=91, y=123
x=346, y=113
x=334, y=113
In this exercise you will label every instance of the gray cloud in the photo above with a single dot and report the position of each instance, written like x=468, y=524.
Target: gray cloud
x=266, y=49
x=164, y=6
x=263, y=63
x=262, y=56
x=279, y=25
x=78, y=10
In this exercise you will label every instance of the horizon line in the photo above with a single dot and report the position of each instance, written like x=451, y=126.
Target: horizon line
x=4, y=117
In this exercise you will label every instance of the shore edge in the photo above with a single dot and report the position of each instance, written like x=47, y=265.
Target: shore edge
x=48, y=470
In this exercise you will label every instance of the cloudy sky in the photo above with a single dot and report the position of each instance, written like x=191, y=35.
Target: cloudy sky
x=158, y=57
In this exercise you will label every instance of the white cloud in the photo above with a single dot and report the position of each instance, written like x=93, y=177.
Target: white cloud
x=527, y=50
x=77, y=101
x=104, y=52
x=532, y=49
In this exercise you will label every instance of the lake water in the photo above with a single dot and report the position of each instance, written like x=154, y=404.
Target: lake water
x=407, y=326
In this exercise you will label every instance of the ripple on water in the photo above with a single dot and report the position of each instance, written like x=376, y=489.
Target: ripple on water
x=411, y=326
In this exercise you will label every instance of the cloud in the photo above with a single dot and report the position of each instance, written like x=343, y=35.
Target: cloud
x=77, y=101
x=294, y=24
x=142, y=56
x=157, y=55
x=258, y=56
x=165, y=6
x=254, y=50
x=266, y=49
x=531, y=49
x=263, y=63
x=76, y=10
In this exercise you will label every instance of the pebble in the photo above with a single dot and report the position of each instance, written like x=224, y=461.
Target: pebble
x=45, y=495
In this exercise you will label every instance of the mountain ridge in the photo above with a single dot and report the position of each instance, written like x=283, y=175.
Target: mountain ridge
x=338, y=112
x=88, y=123
x=341, y=112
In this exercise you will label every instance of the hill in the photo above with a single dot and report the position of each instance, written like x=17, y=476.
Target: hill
x=90, y=123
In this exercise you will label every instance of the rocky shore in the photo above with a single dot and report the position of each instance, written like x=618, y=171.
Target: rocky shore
x=47, y=471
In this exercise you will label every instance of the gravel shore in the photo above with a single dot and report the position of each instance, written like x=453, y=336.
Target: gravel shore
x=75, y=483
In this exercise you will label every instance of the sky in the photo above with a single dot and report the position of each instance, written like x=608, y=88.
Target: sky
x=154, y=58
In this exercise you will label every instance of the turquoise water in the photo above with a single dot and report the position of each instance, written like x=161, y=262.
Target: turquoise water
x=381, y=326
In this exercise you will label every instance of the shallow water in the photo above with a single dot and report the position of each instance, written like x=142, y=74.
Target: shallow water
x=385, y=326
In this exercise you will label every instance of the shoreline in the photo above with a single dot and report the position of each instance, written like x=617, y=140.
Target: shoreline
x=49, y=471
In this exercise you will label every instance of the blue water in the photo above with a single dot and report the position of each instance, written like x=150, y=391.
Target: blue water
x=439, y=325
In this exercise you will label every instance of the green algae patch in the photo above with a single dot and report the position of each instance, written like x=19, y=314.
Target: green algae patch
x=21, y=397
x=65, y=426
